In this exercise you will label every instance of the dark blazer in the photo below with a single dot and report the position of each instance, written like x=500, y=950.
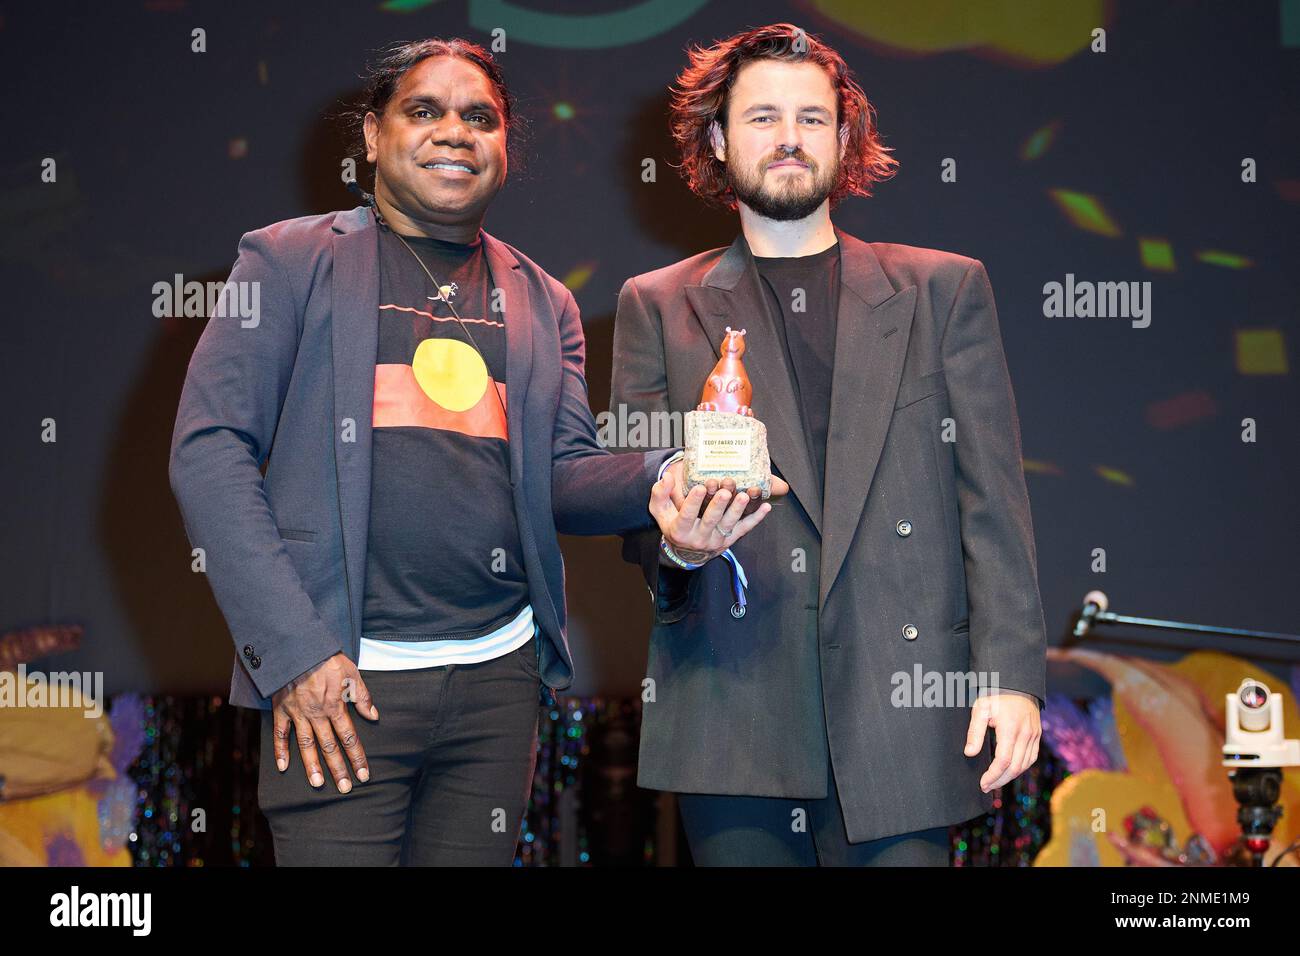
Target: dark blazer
x=843, y=593
x=286, y=551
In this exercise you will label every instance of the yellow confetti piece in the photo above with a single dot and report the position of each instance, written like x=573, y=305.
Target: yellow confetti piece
x=1033, y=466
x=1229, y=260
x=1114, y=476
x=1261, y=352
x=577, y=276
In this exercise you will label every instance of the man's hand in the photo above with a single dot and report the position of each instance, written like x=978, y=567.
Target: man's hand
x=316, y=703
x=1015, y=721
x=778, y=488
x=700, y=537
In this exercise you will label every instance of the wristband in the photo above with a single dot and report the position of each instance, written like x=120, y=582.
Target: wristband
x=667, y=462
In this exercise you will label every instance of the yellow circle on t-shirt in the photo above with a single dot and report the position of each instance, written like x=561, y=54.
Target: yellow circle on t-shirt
x=450, y=372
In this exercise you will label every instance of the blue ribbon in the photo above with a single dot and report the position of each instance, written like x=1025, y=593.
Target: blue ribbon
x=738, y=581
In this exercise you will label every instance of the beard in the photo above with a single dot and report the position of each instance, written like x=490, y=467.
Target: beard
x=790, y=201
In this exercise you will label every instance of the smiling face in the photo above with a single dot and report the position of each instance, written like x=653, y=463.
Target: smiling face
x=440, y=145
x=782, y=147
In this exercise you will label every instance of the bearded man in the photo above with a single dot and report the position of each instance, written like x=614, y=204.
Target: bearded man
x=801, y=727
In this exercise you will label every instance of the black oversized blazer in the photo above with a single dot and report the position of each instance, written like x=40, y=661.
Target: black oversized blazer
x=917, y=558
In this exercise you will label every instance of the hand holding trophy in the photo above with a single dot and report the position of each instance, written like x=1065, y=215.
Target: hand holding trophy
x=726, y=446
x=726, y=451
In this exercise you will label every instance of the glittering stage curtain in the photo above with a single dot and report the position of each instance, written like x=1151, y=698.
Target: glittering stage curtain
x=196, y=781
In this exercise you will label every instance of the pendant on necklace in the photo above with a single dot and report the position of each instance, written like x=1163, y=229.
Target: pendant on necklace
x=445, y=292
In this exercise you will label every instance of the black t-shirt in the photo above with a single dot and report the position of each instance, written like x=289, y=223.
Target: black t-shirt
x=808, y=336
x=444, y=559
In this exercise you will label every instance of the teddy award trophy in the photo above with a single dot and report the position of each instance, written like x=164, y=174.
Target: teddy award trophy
x=723, y=438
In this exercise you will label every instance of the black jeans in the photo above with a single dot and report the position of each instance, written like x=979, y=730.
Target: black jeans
x=726, y=830
x=451, y=769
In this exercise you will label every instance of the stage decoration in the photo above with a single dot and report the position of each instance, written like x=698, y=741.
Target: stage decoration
x=178, y=787
x=636, y=23
x=1146, y=784
x=1040, y=141
x=201, y=754
x=997, y=30
x=197, y=786
x=1156, y=254
x=66, y=800
x=1020, y=823
x=1260, y=352
x=1228, y=260
x=1085, y=212
x=31, y=643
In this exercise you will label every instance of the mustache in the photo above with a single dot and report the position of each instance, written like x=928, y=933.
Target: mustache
x=798, y=155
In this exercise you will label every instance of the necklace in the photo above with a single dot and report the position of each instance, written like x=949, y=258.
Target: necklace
x=444, y=295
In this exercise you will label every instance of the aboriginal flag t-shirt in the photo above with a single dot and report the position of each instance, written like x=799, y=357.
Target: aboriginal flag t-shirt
x=444, y=559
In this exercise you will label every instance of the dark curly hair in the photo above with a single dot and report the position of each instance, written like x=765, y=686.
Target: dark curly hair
x=386, y=73
x=699, y=97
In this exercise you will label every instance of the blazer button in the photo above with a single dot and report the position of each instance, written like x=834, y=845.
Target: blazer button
x=255, y=663
x=737, y=611
x=248, y=650
x=909, y=632
x=904, y=528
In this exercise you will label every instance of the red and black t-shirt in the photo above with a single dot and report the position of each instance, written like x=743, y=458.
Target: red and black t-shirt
x=444, y=559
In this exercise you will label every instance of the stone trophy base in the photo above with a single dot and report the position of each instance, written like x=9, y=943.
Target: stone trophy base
x=727, y=445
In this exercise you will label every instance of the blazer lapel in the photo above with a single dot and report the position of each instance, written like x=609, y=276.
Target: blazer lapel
x=732, y=295
x=354, y=317
x=517, y=315
x=873, y=325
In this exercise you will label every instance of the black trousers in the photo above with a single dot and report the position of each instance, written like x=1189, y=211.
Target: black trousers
x=451, y=769
x=725, y=830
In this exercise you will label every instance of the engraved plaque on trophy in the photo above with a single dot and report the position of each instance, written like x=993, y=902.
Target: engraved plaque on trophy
x=723, y=438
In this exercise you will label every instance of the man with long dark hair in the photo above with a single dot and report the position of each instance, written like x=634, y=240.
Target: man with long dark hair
x=423, y=384
x=807, y=729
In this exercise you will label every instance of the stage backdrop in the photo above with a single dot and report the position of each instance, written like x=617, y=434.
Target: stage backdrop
x=1163, y=149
